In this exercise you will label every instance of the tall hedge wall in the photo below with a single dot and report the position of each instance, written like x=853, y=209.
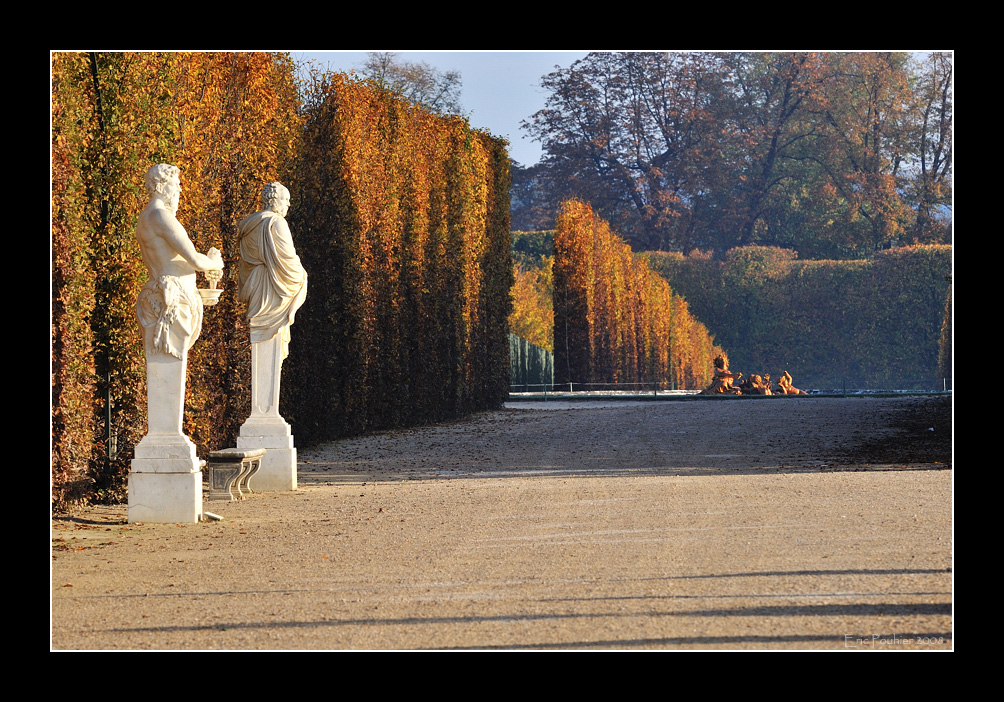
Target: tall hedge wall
x=401, y=219
x=615, y=320
x=229, y=122
x=878, y=322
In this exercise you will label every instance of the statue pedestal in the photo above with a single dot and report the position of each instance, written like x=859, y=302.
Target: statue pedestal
x=266, y=428
x=165, y=497
x=165, y=481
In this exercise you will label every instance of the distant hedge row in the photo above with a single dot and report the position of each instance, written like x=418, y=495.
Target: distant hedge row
x=401, y=219
x=616, y=321
x=531, y=366
x=881, y=321
x=532, y=316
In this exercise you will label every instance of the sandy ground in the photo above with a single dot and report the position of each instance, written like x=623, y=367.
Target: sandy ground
x=770, y=523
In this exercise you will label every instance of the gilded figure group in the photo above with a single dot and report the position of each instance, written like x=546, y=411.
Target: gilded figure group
x=725, y=382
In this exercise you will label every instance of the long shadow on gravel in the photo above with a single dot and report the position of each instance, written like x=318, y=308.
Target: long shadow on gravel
x=775, y=435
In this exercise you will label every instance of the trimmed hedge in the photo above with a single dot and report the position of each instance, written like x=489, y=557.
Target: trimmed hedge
x=401, y=219
x=229, y=122
x=615, y=320
x=402, y=223
x=878, y=321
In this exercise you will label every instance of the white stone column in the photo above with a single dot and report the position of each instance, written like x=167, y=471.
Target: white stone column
x=165, y=481
x=266, y=428
x=273, y=284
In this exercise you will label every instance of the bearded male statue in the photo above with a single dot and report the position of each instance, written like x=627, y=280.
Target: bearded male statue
x=169, y=307
x=165, y=483
x=273, y=284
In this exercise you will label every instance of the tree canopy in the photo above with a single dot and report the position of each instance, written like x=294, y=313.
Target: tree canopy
x=417, y=82
x=833, y=154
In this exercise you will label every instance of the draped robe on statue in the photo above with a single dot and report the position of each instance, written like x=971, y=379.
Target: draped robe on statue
x=273, y=283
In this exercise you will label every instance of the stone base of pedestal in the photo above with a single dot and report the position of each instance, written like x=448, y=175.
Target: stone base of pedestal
x=158, y=496
x=165, y=453
x=278, y=465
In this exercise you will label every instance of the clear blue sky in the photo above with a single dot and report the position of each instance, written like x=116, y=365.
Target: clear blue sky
x=500, y=88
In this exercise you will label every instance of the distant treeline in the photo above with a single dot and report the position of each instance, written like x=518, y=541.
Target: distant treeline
x=616, y=321
x=883, y=321
x=400, y=218
x=833, y=154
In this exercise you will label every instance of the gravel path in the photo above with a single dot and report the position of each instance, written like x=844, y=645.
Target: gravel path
x=773, y=523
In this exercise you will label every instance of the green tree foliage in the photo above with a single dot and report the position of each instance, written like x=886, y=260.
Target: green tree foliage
x=766, y=130
x=531, y=248
x=865, y=146
x=880, y=320
x=835, y=155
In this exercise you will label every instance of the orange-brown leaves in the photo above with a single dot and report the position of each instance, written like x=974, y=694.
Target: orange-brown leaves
x=230, y=122
x=404, y=223
x=616, y=320
x=532, y=316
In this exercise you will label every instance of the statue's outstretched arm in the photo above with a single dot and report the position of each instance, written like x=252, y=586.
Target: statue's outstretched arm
x=175, y=235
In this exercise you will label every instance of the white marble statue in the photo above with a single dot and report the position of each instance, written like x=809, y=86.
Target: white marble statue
x=165, y=484
x=169, y=306
x=273, y=284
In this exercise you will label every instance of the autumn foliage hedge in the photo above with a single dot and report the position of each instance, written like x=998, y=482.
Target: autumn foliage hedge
x=616, y=321
x=401, y=219
x=883, y=321
x=229, y=122
x=532, y=316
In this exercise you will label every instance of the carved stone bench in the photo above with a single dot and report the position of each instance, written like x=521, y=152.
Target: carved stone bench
x=230, y=472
